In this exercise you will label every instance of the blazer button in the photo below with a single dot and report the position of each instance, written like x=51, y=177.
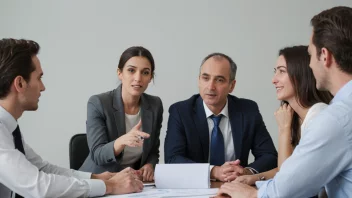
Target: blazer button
x=110, y=160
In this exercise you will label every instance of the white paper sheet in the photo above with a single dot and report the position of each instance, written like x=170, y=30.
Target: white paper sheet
x=182, y=176
x=170, y=193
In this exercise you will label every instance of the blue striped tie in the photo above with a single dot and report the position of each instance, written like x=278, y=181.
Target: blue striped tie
x=217, y=145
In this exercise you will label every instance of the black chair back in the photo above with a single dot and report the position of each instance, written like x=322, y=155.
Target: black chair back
x=78, y=150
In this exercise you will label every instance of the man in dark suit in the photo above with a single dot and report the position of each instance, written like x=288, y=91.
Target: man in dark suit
x=217, y=128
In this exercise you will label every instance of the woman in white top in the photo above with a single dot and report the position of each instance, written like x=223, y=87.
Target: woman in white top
x=300, y=102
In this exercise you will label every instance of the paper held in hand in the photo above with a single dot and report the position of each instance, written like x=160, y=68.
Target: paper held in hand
x=181, y=176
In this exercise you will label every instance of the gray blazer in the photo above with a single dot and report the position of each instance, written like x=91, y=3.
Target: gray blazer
x=106, y=122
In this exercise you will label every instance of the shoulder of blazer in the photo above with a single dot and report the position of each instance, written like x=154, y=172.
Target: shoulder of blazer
x=153, y=101
x=186, y=105
x=103, y=99
x=243, y=104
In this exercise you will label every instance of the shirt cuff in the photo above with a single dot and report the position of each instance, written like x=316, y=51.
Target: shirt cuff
x=211, y=168
x=81, y=175
x=96, y=187
x=253, y=171
x=262, y=188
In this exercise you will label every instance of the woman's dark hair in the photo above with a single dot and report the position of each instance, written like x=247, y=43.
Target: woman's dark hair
x=303, y=82
x=136, y=51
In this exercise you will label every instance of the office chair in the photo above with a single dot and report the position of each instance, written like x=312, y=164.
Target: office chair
x=78, y=150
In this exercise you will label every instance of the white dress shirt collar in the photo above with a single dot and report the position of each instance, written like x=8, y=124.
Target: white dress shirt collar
x=8, y=120
x=224, y=111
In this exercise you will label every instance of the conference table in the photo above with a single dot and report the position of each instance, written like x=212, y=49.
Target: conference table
x=213, y=184
x=216, y=184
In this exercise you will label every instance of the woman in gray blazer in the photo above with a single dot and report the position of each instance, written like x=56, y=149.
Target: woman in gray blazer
x=123, y=125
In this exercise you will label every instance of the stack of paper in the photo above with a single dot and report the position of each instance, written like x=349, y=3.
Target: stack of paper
x=185, y=176
x=178, y=180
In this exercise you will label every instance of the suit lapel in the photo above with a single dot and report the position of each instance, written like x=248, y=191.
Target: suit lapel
x=119, y=114
x=202, y=127
x=236, y=120
x=146, y=116
x=147, y=120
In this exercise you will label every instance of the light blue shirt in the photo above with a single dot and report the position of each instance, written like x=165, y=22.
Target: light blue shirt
x=322, y=158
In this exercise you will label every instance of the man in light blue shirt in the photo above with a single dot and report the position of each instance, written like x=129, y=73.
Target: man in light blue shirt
x=324, y=154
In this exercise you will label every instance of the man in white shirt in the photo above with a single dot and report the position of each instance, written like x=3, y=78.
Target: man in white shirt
x=323, y=155
x=23, y=173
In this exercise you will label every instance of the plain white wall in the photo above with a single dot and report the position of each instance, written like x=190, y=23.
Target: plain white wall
x=81, y=42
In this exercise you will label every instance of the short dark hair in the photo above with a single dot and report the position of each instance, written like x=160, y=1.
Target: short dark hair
x=303, y=82
x=332, y=29
x=136, y=51
x=15, y=60
x=233, y=66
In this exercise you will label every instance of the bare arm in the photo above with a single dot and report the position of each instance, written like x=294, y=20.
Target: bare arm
x=284, y=121
x=251, y=179
x=285, y=147
x=268, y=174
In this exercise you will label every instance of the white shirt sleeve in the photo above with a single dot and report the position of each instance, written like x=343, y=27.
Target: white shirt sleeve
x=46, y=167
x=28, y=177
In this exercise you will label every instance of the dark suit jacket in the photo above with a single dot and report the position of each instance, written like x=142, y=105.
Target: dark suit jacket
x=187, y=138
x=106, y=123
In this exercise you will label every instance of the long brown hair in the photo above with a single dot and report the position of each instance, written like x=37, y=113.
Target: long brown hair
x=304, y=84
